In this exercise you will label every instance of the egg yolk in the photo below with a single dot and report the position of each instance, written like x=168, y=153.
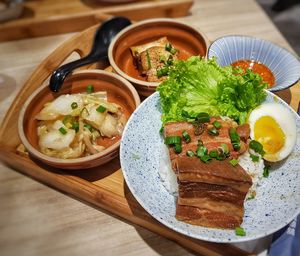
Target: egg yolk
x=268, y=132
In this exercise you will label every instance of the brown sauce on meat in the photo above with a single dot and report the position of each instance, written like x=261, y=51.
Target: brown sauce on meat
x=257, y=68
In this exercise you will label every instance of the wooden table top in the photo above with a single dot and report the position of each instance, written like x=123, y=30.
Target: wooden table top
x=38, y=220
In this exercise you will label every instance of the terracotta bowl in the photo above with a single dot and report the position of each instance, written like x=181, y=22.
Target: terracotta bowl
x=188, y=40
x=118, y=90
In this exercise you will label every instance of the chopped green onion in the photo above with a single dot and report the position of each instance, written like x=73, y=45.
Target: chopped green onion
x=62, y=130
x=162, y=72
x=254, y=158
x=186, y=136
x=190, y=153
x=168, y=47
x=89, y=127
x=68, y=119
x=213, y=153
x=224, y=148
x=235, y=139
x=162, y=59
x=172, y=140
x=257, y=147
x=200, y=143
x=221, y=157
x=266, y=171
x=202, y=117
x=205, y=158
x=74, y=105
x=84, y=110
x=173, y=51
x=201, y=151
x=177, y=148
x=75, y=126
x=90, y=88
x=213, y=132
x=252, y=196
x=217, y=124
x=234, y=162
x=170, y=60
x=239, y=231
x=101, y=109
x=161, y=130
x=148, y=59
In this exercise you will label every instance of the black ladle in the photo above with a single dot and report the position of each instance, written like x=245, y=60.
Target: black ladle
x=103, y=37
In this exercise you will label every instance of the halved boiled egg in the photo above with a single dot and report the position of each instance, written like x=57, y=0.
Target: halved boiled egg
x=274, y=127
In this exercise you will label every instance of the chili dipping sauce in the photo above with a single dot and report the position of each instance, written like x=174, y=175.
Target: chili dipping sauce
x=258, y=68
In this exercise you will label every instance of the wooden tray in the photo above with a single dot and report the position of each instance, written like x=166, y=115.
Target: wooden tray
x=103, y=186
x=50, y=17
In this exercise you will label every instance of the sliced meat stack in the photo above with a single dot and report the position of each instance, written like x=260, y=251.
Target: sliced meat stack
x=210, y=194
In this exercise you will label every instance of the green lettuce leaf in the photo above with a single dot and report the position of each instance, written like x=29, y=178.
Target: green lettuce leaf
x=199, y=85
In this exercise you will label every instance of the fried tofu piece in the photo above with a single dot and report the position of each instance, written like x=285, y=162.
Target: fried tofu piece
x=151, y=57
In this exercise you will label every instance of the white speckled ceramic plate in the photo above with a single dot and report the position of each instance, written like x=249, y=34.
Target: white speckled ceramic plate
x=276, y=204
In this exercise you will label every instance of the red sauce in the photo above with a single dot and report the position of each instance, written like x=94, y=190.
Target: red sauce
x=257, y=68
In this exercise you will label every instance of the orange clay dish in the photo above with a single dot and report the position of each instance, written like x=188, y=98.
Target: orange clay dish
x=78, y=125
x=258, y=68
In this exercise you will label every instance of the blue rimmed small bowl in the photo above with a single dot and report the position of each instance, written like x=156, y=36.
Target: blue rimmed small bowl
x=284, y=65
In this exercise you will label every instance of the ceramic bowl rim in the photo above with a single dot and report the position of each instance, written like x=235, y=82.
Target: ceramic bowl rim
x=65, y=162
x=296, y=57
x=133, y=80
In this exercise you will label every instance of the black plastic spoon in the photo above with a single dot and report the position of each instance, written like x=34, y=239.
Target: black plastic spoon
x=103, y=37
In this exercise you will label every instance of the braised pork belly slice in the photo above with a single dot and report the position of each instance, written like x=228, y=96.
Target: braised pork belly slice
x=211, y=194
x=209, y=141
x=207, y=218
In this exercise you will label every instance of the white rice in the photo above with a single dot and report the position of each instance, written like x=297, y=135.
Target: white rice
x=169, y=178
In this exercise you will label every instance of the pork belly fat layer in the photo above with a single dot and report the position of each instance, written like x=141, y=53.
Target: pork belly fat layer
x=218, y=170
x=207, y=218
x=218, y=193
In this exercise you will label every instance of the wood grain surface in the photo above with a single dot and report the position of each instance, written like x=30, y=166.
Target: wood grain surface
x=52, y=17
x=37, y=220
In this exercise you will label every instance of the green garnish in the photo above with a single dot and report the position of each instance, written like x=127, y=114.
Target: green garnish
x=254, y=158
x=235, y=139
x=148, y=59
x=266, y=171
x=239, y=231
x=234, y=162
x=90, y=88
x=172, y=140
x=162, y=59
x=162, y=72
x=173, y=51
x=168, y=47
x=75, y=126
x=224, y=148
x=201, y=151
x=213, y=154
x=205, y=158
x=186, y=136
x=213, y=132
x=200, y=143
x=74, y=105
x=89, y=127
x=177, y=148
x=84, y=110
x=199, y=85
x=62, y=130
x=202, y=117
x=217, y=124
x=101, y=109
x=190, y=153
x=68, y=120
x=257, y=147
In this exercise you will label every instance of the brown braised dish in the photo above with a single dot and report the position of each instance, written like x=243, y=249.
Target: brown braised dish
x=153, y=59
x=211, y=191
